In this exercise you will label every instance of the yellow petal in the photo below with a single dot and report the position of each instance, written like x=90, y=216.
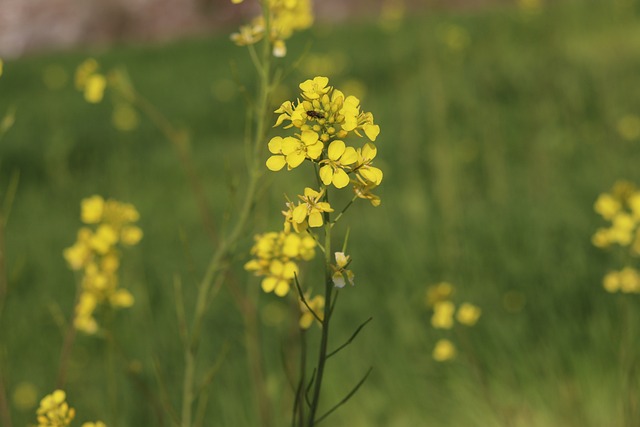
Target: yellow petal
x=369, y=151
x=269, y=283
x=326, y=174
x=282, y=288
x=300, y=213
x=350, y=156
x=372, y=131
x=290, y=145
x=309, y=137
x=275, y=145
x=340, y=179
x=275, y=163
x=315, y=219
x=336, y=148
x=295, y=159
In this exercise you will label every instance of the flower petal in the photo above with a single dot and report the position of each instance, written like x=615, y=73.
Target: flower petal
x=275, y=145
x=315, y=219
x=300, y=213
x=326, y=174
x=336, y=148
x=340, y=178
x=275, y=163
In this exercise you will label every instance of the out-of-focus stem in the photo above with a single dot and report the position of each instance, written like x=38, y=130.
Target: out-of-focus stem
x=227, y=243
x=182, y=145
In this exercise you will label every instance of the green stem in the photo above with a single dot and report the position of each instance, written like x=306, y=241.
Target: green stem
x=324, y=340
x=226, y=244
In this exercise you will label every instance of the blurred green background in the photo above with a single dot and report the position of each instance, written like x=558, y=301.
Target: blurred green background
x=499, y=128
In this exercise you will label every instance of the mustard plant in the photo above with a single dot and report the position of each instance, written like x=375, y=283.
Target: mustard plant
x=323, y=120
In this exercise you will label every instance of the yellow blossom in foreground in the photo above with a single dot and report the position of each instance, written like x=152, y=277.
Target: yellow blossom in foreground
x=442, y=317
x=317, y=305
x=312, y=208
x=444, y=350
x=607, y=206
x=339, y=157
x=626, y=281
x=94, y=424
x=468, y=314
x=54, y=410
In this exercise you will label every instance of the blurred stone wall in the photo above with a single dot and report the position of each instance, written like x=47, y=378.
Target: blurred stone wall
x=36, y=25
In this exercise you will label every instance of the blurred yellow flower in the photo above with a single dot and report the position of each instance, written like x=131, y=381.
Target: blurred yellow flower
x=25, y=396
x=54, y=411
x=468, y=314
x=275, y=259
x=607, y=206
x=628, y=127
x=91, y=209
x=444, y=350
x=94, y=424
x=438, y=293
x=124, y=117
x=442, y=317
x=96, y=253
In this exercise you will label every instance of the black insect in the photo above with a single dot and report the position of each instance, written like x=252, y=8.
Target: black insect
x=315, y=115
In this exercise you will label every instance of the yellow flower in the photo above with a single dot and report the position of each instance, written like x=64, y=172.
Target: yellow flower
x=91, y=209
x=236, y=1
x=279, y=277
x=97, y=423
x=317, y=305
x=363, y=190
x=611, y=282
x=607, y=206
x=443, y=315
x=131, y=235
x=316, y=88
x=25, y=396
x=121, y=298
x=339, y=156
x=363, y=166
x=311, y=208
x=629, y=280
x=468, y=314
x=444, y=350
x=94, y=89
x=621, y=229
x=293, y=151
x=54, y=410
x=438, y=293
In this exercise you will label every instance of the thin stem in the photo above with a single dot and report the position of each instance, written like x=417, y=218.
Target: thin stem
x=344, y=210
x=328, y=285
x=346, y=398
x=304, y=300
x=227, y=244
x=180, y=141
x=353, y=336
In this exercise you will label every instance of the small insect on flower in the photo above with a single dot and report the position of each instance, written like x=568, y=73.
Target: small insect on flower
x=315, y=115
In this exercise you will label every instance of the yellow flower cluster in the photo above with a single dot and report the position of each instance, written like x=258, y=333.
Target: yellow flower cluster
x=626, y=281
x=275, y=255
x=324, y=118
x=96, y=253
x=54, y=411
x=91, y=82
x=438, y=298
x=285, y=17
x=621, y=207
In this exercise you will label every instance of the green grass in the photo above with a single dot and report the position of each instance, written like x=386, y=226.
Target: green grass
x=493, y=156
